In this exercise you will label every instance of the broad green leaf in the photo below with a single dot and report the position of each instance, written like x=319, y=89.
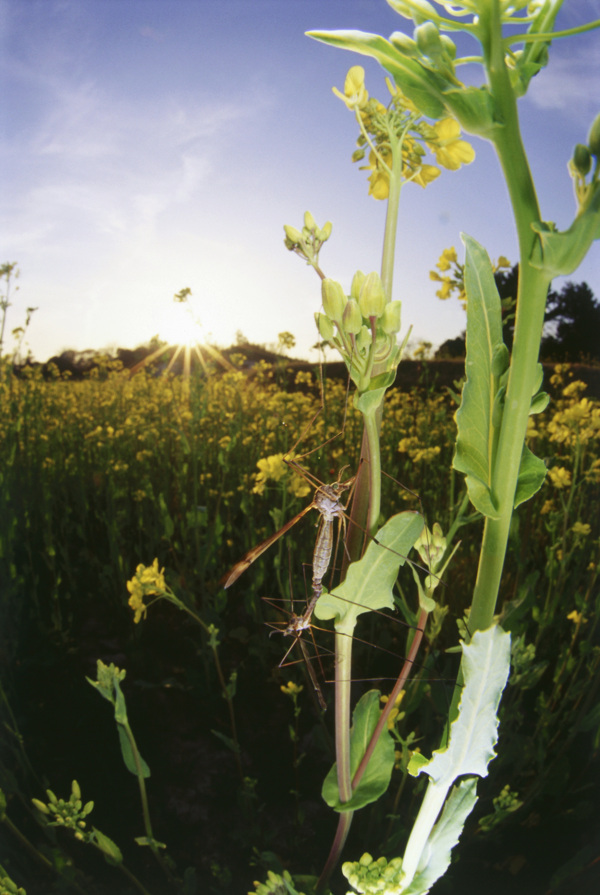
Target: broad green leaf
x=431, y=92
x=423, y=87
x=539, y=403
x=369, y=582
x=532, y=473
x=108, y=848
x=481, y=497
x=474, y=444
x=368, y=402
x=474, y=109
x=559, y=254
x=376, y=778
x=120, y=706
x=128, y=756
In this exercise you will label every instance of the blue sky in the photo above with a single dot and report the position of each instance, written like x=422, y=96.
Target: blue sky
x=152, y=145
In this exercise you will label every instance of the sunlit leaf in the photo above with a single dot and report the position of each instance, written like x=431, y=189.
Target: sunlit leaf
x=474, y=418
x=369, y=582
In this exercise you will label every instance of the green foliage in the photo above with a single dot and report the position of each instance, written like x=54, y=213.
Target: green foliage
x=376, y=779
x=475, y=419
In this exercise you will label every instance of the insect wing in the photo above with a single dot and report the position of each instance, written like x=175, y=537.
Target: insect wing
x=247, y=560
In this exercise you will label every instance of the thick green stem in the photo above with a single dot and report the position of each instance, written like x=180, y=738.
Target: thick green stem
x=372, y=423
x=531, y=301
x=366, y=503
x=343, y=676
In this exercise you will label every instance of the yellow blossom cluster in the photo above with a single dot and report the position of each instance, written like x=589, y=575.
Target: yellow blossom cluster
x=451, y=275
x=147, y=581
x=399, y=124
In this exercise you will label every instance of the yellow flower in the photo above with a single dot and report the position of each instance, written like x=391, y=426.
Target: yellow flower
x=298, y=487
x=577, y=618
x=559, y=476
x=401, y=99
x=379, y=179
x=146, y=581
x=271, y=467
x=450, y=151
x=291, y=689
x=355, y=94
x=447, y=258
x=447, y=285
x=426, y=174
x=136, y=601
x=581, y=528
x=426, y=454
x=547, y=508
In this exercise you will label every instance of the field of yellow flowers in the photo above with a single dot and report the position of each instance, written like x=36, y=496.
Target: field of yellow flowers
x=102, y=475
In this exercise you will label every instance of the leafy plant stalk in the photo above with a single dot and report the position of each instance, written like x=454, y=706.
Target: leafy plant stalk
x=531, y=301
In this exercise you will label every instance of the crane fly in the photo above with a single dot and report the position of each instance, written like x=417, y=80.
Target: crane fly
x=328, y=503
x=297, y=625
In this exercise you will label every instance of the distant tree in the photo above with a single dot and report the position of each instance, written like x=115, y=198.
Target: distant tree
x=452, y=348
x=572, y=325
x=285, y=342
x=571, y=322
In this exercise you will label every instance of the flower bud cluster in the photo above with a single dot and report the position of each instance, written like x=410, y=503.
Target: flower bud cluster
x=431, y=547
x=67, y=814
x=361, y=326
x=581, y=165
x=370, y=876
x=308, y=241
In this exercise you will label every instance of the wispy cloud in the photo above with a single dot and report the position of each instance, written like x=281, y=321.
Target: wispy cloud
x=566, y=85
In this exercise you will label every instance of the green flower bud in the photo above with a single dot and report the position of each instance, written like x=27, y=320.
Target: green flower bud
x=449, y=46
x=404, y=43
x=364, y=339
x=334, y=298
x=325, y=233
x=357, y=283
x=309, y=221
x=582, y=159
x=372, y=296
x=75, y=790
x=417, y=10
x=352, y=320
x=40, y=806
x=594, y=137
x=293, y=237
x=325, y=327
x=428, y=40
x=390, y=321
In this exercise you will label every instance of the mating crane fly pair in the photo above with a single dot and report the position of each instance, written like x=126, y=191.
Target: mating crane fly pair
x=327, y=500
x=328, y=503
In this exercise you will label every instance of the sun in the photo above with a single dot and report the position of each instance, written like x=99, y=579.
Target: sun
x=180, y=328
